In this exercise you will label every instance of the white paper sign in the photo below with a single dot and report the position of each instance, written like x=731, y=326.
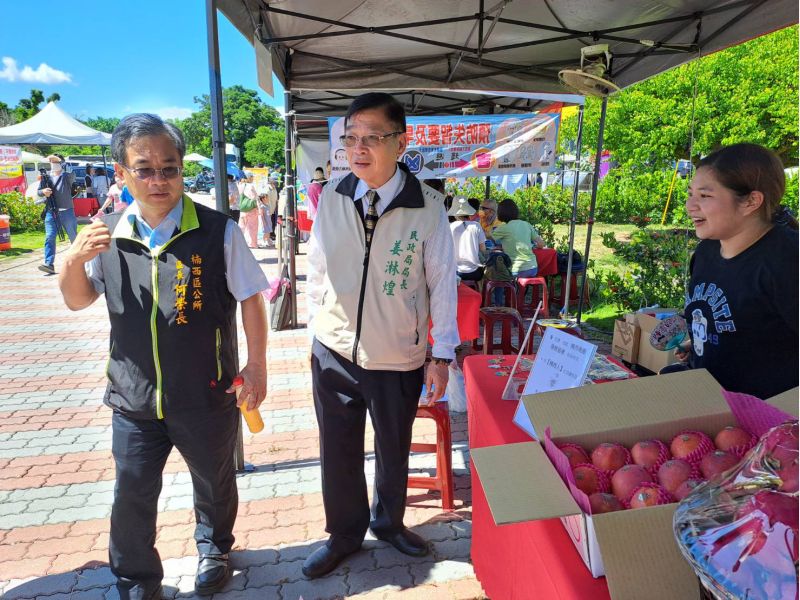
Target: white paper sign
x=561, y=362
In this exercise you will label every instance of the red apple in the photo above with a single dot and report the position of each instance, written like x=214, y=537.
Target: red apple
x=691, y=446
x=649, y=494
x=717, y=462
x=575, y=454
x=590, y=479
x=673, y=473
x=610, y=457
x=604, y=503
x=650, y=454
x=734, y=440
x=628, y=479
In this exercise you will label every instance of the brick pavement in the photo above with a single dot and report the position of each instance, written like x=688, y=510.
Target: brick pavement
x=56, y=474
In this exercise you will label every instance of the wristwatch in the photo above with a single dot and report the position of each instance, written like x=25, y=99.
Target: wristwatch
x=442, y=361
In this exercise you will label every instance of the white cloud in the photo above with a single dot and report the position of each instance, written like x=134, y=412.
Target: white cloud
x=44, y=73
x=172, y=112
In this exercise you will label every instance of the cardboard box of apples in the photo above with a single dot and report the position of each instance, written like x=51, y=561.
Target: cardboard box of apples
x=589, y=437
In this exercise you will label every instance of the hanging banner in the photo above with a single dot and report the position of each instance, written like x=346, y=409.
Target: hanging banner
x=11, y=174
x=469, y=145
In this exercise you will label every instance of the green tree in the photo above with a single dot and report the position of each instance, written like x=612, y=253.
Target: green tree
x=54, y=97
x=105, y=124
x=266, y=146
x=745, y=93
x=27, y=107
x=244, y=114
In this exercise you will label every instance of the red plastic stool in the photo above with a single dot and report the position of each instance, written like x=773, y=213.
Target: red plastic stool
x=509, y=299
x=557, y=282
x=507, y=318
x=528, y=310
x=443, y=480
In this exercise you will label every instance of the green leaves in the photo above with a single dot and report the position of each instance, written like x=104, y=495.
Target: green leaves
x=747, y=92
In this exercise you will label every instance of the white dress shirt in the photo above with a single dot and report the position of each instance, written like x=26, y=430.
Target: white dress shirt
x=443, y=301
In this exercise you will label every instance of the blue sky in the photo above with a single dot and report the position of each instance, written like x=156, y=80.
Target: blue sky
x=114, y=58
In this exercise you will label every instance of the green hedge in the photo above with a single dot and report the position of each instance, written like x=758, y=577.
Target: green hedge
x=25, y=215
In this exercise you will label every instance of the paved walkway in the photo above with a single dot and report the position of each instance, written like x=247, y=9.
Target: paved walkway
x=56, y=473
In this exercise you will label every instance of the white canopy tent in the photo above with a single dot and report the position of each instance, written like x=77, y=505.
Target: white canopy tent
x=440, y=57
x=194, y=157
x=52, y=125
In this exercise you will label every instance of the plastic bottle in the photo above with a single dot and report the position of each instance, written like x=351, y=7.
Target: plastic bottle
x=252, y=417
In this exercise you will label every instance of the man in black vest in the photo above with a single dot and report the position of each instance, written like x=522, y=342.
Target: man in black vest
x=172, y=273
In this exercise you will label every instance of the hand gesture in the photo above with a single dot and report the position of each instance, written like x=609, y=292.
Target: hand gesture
x=436, y=378
x=91, y=241
x=254, y=386
x=47, y=192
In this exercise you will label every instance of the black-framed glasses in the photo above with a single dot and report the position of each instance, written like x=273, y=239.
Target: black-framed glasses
x=148, y=172
x=370, y=141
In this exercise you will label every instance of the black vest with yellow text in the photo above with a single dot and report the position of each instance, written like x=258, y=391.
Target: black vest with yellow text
x=173, y=320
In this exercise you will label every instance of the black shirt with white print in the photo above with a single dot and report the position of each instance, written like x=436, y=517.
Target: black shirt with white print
x=742, y=314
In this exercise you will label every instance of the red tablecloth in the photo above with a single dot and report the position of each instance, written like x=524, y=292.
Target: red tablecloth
x=85, y=207
x=524, y=560
x=469, y=305
x=546, y=259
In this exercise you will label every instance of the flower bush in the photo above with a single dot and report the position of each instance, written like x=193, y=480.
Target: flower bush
x=25, y=215
x=657, y=268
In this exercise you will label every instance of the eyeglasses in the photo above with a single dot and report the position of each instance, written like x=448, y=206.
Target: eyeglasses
x=149, y=172
x=370, y=141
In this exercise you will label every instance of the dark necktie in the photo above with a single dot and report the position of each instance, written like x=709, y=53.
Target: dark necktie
x=371, y=218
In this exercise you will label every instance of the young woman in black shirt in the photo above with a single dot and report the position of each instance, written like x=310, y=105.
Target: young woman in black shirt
x=742, y=300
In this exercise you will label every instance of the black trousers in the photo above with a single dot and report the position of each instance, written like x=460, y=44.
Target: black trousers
x=475, y=275
x=343, y=395
x=140, y=447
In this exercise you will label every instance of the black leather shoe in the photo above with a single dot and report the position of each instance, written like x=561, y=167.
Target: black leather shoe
x=406, y=541
x=322, y=561
x=212, y=574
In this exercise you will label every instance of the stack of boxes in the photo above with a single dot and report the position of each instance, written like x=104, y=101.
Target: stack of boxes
x=631, y=340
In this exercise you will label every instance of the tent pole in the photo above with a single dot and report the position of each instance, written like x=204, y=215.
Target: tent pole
x=488, y=191
x=220, y=166
x=217, y=121
x=595, y=181
x=291, y=200
x=566, y=290
x=105, y=166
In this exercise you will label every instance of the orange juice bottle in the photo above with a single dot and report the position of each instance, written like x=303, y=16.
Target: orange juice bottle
x=252, y=417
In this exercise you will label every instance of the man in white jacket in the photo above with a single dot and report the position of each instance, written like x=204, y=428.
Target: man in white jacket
x=380, y=264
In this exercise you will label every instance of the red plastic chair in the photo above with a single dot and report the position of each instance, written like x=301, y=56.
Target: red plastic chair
x=507, y=318
x=557, y=285
x=443, y=480
x=509, y=292
x=539, y=286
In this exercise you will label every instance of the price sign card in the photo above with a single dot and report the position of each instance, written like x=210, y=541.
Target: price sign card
x=562, y=362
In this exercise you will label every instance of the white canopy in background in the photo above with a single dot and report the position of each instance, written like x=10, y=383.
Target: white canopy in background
x=513, y=46
x=52, y=125
x=195, y=157
x=30, y=157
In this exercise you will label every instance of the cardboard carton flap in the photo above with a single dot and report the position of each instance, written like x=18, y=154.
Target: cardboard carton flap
x=786, y=401
x=643, y=537
x=520, y=484
x=631, y=404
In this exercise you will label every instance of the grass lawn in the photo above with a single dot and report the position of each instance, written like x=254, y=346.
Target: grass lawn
x=600, y=316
